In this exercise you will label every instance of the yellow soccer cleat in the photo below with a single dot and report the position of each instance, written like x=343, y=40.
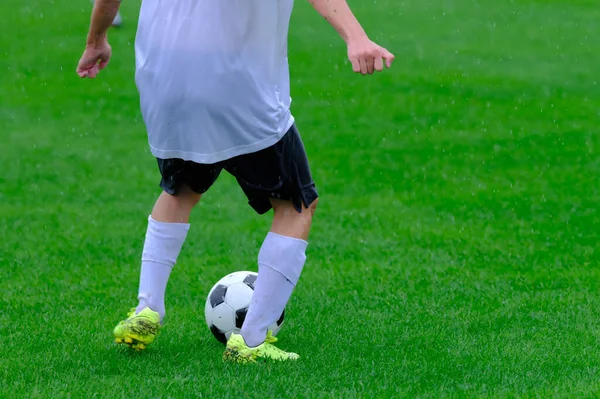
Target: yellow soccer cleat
x=238, y=352
x=138, y=330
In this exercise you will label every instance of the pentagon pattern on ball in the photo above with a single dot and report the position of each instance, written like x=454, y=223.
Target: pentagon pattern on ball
x=217, y=296
x=240, y=317
x=250, y=280
x=220, y=336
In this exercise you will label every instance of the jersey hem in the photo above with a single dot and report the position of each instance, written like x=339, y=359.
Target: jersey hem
x=222, y=155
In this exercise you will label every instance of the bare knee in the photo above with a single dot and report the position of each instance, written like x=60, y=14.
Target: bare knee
x=291, y=223
x=285, y=208
x=175, y=208
x=185, y=196
x=313, y=207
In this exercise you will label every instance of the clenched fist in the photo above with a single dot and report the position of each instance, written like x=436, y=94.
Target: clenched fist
x=367, y=56
x=93, y=60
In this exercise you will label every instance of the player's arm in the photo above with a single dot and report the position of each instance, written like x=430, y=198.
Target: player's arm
x=97, y=50
x=103, y=15
x=364, y=55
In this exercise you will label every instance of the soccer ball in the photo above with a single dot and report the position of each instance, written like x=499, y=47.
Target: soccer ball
x=227, y=305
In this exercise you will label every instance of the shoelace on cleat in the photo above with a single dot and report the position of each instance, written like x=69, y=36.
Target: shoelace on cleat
x=270, y=339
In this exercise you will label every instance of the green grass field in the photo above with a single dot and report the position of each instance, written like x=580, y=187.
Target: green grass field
x=455, y=252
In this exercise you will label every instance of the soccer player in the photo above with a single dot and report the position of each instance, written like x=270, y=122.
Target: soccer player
x=215, y=95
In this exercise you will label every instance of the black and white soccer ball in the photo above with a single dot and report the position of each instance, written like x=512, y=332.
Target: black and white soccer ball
x=227, y=305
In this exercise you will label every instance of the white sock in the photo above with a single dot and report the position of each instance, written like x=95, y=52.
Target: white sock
x=161, y=249
x=280, y=262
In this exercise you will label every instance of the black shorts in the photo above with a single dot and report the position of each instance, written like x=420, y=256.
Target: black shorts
x=280, y=171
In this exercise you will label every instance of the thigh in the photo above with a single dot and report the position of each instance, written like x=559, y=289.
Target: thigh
x=176, y=173
x=280, y=171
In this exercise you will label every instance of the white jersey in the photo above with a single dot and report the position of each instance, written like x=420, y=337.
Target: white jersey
x=213, y=76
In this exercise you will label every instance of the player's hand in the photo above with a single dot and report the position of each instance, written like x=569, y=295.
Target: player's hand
x=367, y=56
x=94, y=59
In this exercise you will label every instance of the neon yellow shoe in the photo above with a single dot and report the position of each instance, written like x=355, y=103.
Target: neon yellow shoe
x=138, y=330
x=238, y=352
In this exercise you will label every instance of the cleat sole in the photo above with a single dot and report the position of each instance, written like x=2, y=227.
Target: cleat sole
x=234, y=356
x=131, y=343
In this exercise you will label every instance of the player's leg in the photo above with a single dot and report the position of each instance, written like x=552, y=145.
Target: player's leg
x=166, y=232
x=281, y=259
x=165, y=235
x=280, y=262
x=183, y=183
